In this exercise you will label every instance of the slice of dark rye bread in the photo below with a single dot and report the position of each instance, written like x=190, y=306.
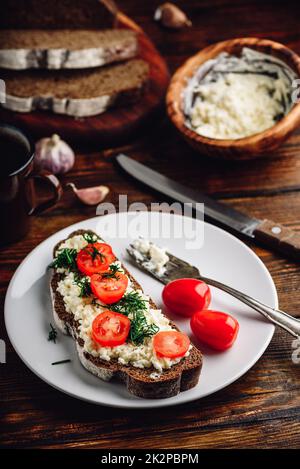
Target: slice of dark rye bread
x=21, y=49
x=80, y=93
x=180, y=377
x=57, y=14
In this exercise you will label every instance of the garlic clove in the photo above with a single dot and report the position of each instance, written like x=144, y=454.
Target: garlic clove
x=90, y=195
x=170, y=16
x=54, y=155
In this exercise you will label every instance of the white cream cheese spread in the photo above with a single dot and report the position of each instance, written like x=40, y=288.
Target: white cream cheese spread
x=233, y=97
x=85, y=309
x=155, y=255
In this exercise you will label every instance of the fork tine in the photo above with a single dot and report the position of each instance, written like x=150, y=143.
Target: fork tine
x=176, y=261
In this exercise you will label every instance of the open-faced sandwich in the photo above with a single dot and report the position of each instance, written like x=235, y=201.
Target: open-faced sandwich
x=118, y=330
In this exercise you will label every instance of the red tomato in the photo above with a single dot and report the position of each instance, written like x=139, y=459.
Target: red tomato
x=109, y=290
x=171, y=344
x=214, y=328
x=185, y=296
x=95, y=258
x=110, y=329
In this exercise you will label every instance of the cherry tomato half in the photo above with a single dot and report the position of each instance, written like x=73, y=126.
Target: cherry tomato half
x=215, y=328
x=109, y=289
x=110, y=329
x=95, y=258
x=171, y=344
x=185, y=296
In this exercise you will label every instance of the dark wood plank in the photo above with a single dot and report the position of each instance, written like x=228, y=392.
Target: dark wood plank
x=265, y=400
x=261, y=409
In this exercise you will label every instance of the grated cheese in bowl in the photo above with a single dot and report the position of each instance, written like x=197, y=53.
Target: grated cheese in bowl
x=235, y=97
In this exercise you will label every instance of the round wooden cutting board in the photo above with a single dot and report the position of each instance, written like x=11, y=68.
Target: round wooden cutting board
x=112, y=127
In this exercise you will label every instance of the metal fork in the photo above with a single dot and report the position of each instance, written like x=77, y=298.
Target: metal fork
x=177, y=268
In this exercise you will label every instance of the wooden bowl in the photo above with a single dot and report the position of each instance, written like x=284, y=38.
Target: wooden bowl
x=254, y=146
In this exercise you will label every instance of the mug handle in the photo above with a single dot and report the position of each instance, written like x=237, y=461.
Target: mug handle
x=57, y=190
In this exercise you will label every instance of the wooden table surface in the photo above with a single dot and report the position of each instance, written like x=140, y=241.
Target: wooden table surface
x=261, y=409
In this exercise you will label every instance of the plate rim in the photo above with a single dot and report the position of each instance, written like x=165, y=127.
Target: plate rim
x=132, y=404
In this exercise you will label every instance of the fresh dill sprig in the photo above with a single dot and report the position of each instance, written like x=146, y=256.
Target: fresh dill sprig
x=113, y=270
x=83, y=283
x=90, y=237
x=139, y=328
x=61, y=362
x=66, y=258
x=93, y=252
x=52, y=334
x=129, y=303
x=134, y=305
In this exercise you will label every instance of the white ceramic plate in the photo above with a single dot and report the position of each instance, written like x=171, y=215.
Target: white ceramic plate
x=223, y=257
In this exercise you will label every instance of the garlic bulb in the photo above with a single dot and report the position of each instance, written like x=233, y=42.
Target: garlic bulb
x=90, y=195
x=54, y=155
x=171, y=16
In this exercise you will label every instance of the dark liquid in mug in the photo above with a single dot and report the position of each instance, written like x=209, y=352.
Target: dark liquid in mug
x=15, y=157
x=14, y=151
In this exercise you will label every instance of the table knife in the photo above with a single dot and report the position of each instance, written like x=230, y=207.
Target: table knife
x=266, y=232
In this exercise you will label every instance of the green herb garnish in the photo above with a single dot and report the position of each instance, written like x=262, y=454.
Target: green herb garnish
x=93, y=252
x=134, y=305
x=52, y=334
x=66, y=258
x=129, y=303
x=83, y=283
x=61, y=362
x=139, y=328
x=90, y=237
x=113, y=270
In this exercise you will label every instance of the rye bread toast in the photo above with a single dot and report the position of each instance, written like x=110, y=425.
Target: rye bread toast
x=140, y=382
x=22, y=49
x=79, y=92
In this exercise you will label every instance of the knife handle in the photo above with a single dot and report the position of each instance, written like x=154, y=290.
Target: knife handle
x=279, y=237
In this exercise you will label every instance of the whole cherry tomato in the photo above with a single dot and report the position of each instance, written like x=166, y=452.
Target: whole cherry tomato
x=215, y=328
x=185, y=296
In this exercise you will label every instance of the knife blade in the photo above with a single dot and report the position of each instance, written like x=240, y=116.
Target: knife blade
x=269, y=233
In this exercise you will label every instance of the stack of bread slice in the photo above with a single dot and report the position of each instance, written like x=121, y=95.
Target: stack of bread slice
x=68, y=57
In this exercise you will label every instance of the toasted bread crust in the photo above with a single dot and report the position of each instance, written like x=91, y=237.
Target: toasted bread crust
x=79, y=92
x=180, y=377
x=65, y=49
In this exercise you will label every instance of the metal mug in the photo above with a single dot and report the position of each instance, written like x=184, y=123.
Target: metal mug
x=17, y=192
